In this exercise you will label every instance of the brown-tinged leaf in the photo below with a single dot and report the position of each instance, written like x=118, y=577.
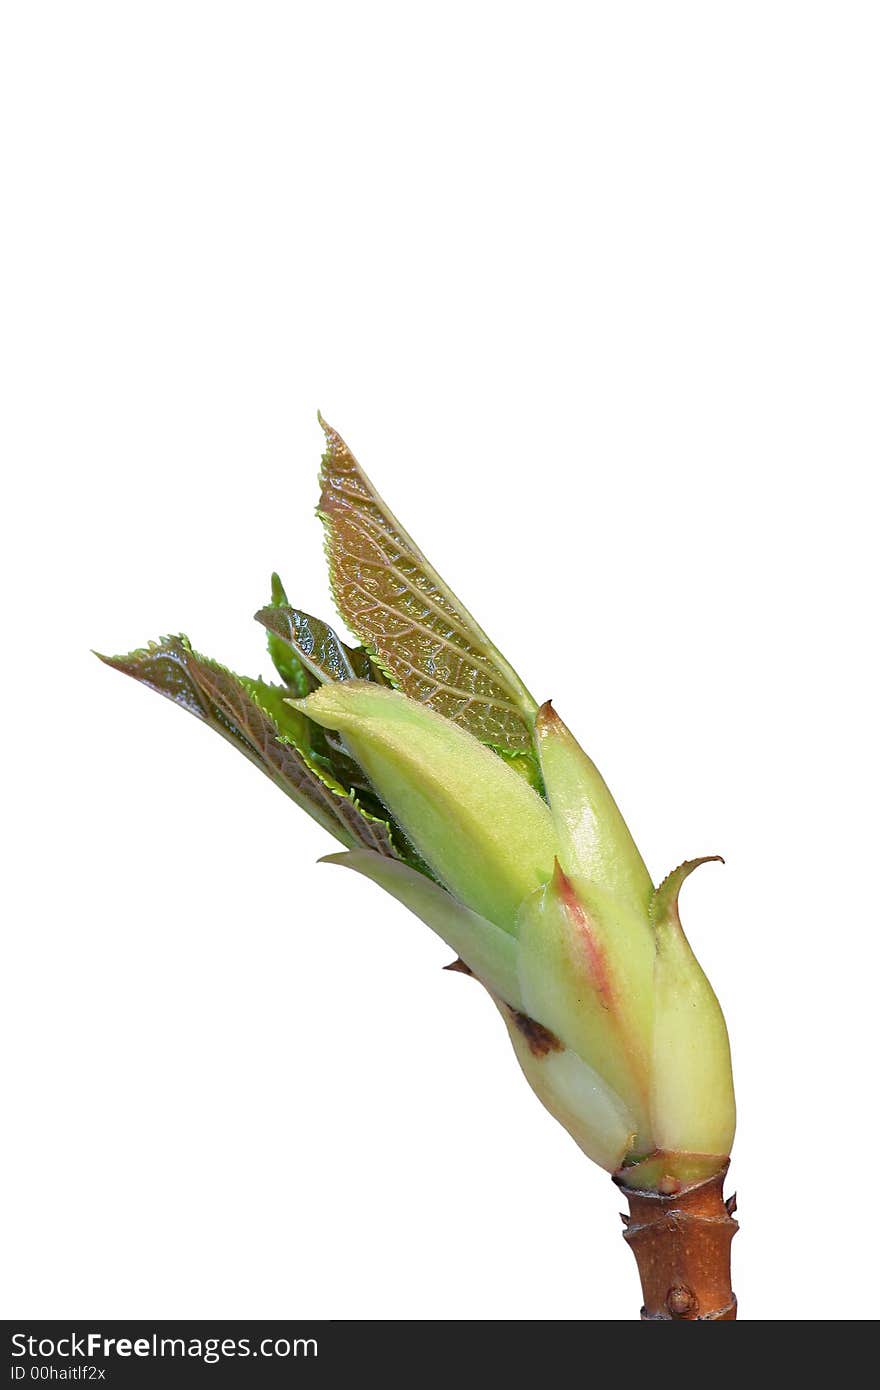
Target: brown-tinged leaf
x=222, y=700
x=398, y=605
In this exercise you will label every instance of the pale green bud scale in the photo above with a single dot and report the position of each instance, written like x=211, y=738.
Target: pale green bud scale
x=479, y=826
x=486, y=950
x=577, y=1097
x=593, y=838
x=692, y=1104
x=570, y=984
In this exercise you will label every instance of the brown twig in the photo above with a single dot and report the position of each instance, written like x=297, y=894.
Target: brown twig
x=681, y=1242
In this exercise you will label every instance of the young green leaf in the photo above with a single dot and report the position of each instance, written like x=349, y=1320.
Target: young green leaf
x=398, y=605
x=223, y=701
x=286, y=662
x=314, y=645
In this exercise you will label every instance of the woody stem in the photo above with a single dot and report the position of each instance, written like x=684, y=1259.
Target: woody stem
x=682, y=1248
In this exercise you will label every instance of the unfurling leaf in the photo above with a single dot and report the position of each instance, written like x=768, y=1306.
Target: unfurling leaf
x=398, y=605
x=223, y=700
x=315, y=646
x=286, y=662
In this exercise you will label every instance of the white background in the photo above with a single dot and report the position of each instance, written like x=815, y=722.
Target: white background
x=592, y=291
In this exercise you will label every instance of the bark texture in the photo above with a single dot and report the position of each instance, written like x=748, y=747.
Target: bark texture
x=681, y=1242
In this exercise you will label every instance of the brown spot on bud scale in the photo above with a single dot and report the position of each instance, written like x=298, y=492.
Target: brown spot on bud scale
x=540, y=1040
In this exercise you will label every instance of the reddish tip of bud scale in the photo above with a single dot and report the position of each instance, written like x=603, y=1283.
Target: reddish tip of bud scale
x=561, y=882
x=547, y=720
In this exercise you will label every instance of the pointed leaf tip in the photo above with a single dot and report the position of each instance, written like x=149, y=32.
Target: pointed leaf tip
x=247, y=713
